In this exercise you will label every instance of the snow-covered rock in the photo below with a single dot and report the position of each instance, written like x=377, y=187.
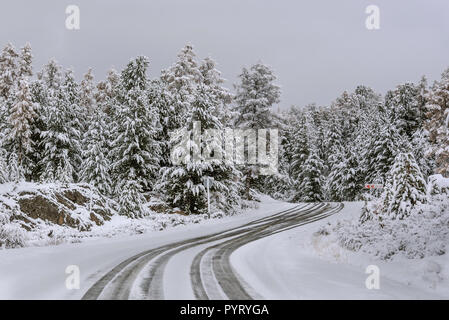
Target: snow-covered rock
x=37, y=207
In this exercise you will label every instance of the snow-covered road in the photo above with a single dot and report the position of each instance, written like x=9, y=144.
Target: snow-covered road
x=40, y=272
x=174, y=264
x=268, y=253
x=198, y=268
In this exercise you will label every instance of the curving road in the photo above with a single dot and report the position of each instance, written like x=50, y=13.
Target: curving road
x=210, y=274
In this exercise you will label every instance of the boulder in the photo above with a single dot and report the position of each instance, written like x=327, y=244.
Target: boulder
x=75, y=206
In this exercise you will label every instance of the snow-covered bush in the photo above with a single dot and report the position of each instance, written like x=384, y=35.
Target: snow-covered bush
x=12, y=235
x=424, y=232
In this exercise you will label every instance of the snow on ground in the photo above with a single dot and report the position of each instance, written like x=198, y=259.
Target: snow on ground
x=300, y=264
x=39, y=272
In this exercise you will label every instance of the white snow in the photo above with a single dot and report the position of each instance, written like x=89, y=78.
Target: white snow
x=39, y=272
x=300, y=264
x=295, y=264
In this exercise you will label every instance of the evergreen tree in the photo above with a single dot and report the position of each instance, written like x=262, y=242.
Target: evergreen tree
x=181, y=80
x=51, y=76
x=299, y=146
x=310, y=179
x=405, y=109
x=25, y=61
x=379, y=155
x=420, y=147
x=87, y=92
x=211, y=78
x=256, y=95
x=183, y=184
x=107, y=104
x=10, y=170
x=96, y=165
x=407, y=189
x=22, y=115
x=160, y=100
x=61, y=138
x=39, y=99
x=135, y=153
x=106, y=93
x=345, y=106
x=15, y=172
x=8, y=71
x=344, y=177
x=438, y=122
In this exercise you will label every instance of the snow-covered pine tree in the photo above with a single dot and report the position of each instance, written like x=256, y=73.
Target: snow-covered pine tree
x=21, y=117
x=334, y=149
x=420, y=147
x=61, y=139
x=333, y=133
x=353, y=106
x=408, y=187
x=24, y=62
x=423, y=93
x=255, y=96
x=311, y=178
x=160, y=100
x=405, y=109
x=212, y=79
x=9, y=167
x=8, y=71
x=183, y=184
x=76, y=117
x=344, y=105
x=8, y=81
x=438, y=122
x=39, y=99
x=300, y=151
x=95, y=167
x=106, y=101
x=365, y=98
x=316, y=119
x=51, y=75
x=280, y=185
x=106, y=93
x=343, y=182
x=135, y=153
x=87, y=92
x=380, y=151
x=294, y=121
x=181, y=80
x=15, y=172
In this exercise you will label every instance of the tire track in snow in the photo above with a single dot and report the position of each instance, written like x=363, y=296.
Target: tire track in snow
x=233, y=286
x=145, y=270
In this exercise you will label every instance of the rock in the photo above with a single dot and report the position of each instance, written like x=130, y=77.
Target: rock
x=40, y=207
x=75, y=206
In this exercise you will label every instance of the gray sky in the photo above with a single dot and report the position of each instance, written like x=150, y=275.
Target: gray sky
x=317, y=48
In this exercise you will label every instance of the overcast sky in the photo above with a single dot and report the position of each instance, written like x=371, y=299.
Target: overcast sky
x=317, y=48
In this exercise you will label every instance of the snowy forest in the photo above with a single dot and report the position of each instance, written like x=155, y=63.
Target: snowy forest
x=114, y=134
